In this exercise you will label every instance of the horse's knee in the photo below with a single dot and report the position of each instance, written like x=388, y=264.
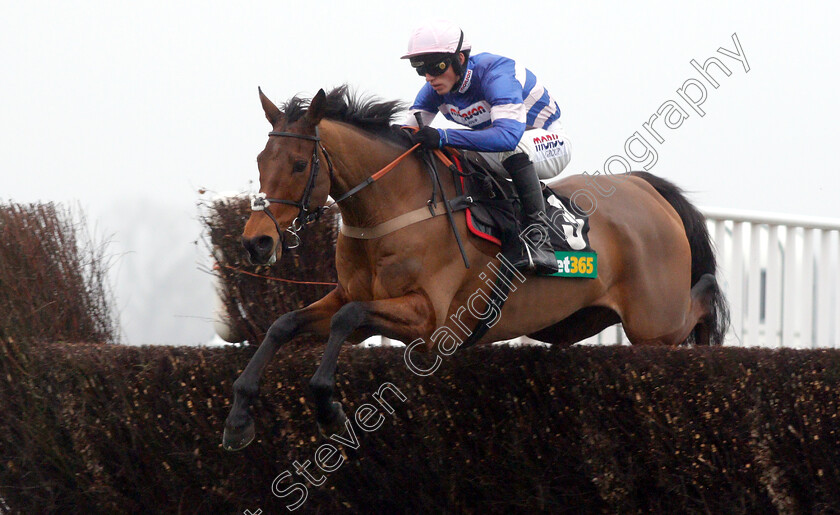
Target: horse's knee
x=283, y=329
x=349, y=317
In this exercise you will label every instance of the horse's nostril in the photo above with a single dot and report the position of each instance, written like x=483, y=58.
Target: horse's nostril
x=264, y=244
x=259, y=248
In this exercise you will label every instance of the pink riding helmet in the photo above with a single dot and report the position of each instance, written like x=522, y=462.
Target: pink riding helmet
x=437, y=37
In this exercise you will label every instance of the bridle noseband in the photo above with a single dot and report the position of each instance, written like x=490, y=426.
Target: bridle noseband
x=260, y=201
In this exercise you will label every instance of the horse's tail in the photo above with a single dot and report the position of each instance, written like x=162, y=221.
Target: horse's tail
x=703, y=259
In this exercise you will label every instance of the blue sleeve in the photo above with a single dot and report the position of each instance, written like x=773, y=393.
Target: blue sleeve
x=502, y=136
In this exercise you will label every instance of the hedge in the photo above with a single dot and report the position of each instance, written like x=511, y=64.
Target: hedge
x=110, y=429
x=53, y=277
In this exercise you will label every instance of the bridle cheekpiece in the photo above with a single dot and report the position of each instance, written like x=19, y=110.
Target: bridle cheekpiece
x=261, y=202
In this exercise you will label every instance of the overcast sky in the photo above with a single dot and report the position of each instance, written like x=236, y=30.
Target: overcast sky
x=130, y=108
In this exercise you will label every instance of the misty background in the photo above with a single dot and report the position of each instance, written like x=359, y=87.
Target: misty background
x=127, y=110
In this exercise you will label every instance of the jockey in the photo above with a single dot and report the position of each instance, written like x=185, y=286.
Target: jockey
x=499, y=100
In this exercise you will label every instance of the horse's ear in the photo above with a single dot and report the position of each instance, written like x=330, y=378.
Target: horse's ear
x=317, y=108
x=273, y=114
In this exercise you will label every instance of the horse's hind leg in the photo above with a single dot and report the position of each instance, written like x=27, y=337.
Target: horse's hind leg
x=702, y=307
x=697, y=316
x=239, y=426
x=401, y=318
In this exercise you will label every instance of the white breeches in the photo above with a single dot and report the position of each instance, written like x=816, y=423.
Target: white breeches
x=549, y=149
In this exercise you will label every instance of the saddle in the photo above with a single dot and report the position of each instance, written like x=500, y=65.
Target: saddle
x=493, y=212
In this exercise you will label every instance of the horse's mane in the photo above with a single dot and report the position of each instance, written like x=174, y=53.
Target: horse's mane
x=366, y=112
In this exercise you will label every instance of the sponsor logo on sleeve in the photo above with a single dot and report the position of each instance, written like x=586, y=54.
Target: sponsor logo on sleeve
x=470, y=116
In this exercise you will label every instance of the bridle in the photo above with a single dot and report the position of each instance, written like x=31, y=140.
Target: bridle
x=305, y=216
x=260, y=201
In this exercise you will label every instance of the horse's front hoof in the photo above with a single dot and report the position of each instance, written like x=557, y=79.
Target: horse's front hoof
x=235, y=439
x=336, y=425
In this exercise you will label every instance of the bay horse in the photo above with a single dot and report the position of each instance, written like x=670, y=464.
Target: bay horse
x=656, y=263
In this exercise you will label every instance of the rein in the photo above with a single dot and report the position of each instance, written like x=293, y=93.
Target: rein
x=269, y=278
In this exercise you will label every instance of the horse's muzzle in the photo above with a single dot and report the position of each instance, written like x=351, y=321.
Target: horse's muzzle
x=261, y=249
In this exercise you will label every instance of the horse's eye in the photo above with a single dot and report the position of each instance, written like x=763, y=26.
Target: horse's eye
x=299, y=166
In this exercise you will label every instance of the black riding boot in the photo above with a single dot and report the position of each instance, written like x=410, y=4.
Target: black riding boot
x=536, y=255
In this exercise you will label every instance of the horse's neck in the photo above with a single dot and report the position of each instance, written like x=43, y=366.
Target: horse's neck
x=356, y=156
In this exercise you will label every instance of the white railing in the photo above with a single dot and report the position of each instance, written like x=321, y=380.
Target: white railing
x=781, y=275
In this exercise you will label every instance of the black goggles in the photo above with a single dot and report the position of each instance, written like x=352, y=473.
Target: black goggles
x=433, y=68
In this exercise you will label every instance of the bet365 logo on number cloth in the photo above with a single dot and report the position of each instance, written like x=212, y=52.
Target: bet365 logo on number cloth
x=576, y=264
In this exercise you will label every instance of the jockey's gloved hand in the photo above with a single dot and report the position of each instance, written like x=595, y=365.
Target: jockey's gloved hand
x=428, y=137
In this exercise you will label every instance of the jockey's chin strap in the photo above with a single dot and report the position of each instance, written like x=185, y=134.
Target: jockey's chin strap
x=260, y=202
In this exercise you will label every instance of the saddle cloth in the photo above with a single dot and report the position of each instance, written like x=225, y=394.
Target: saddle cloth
x=494, y=212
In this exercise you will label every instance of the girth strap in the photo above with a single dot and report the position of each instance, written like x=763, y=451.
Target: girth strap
x=404, y=220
